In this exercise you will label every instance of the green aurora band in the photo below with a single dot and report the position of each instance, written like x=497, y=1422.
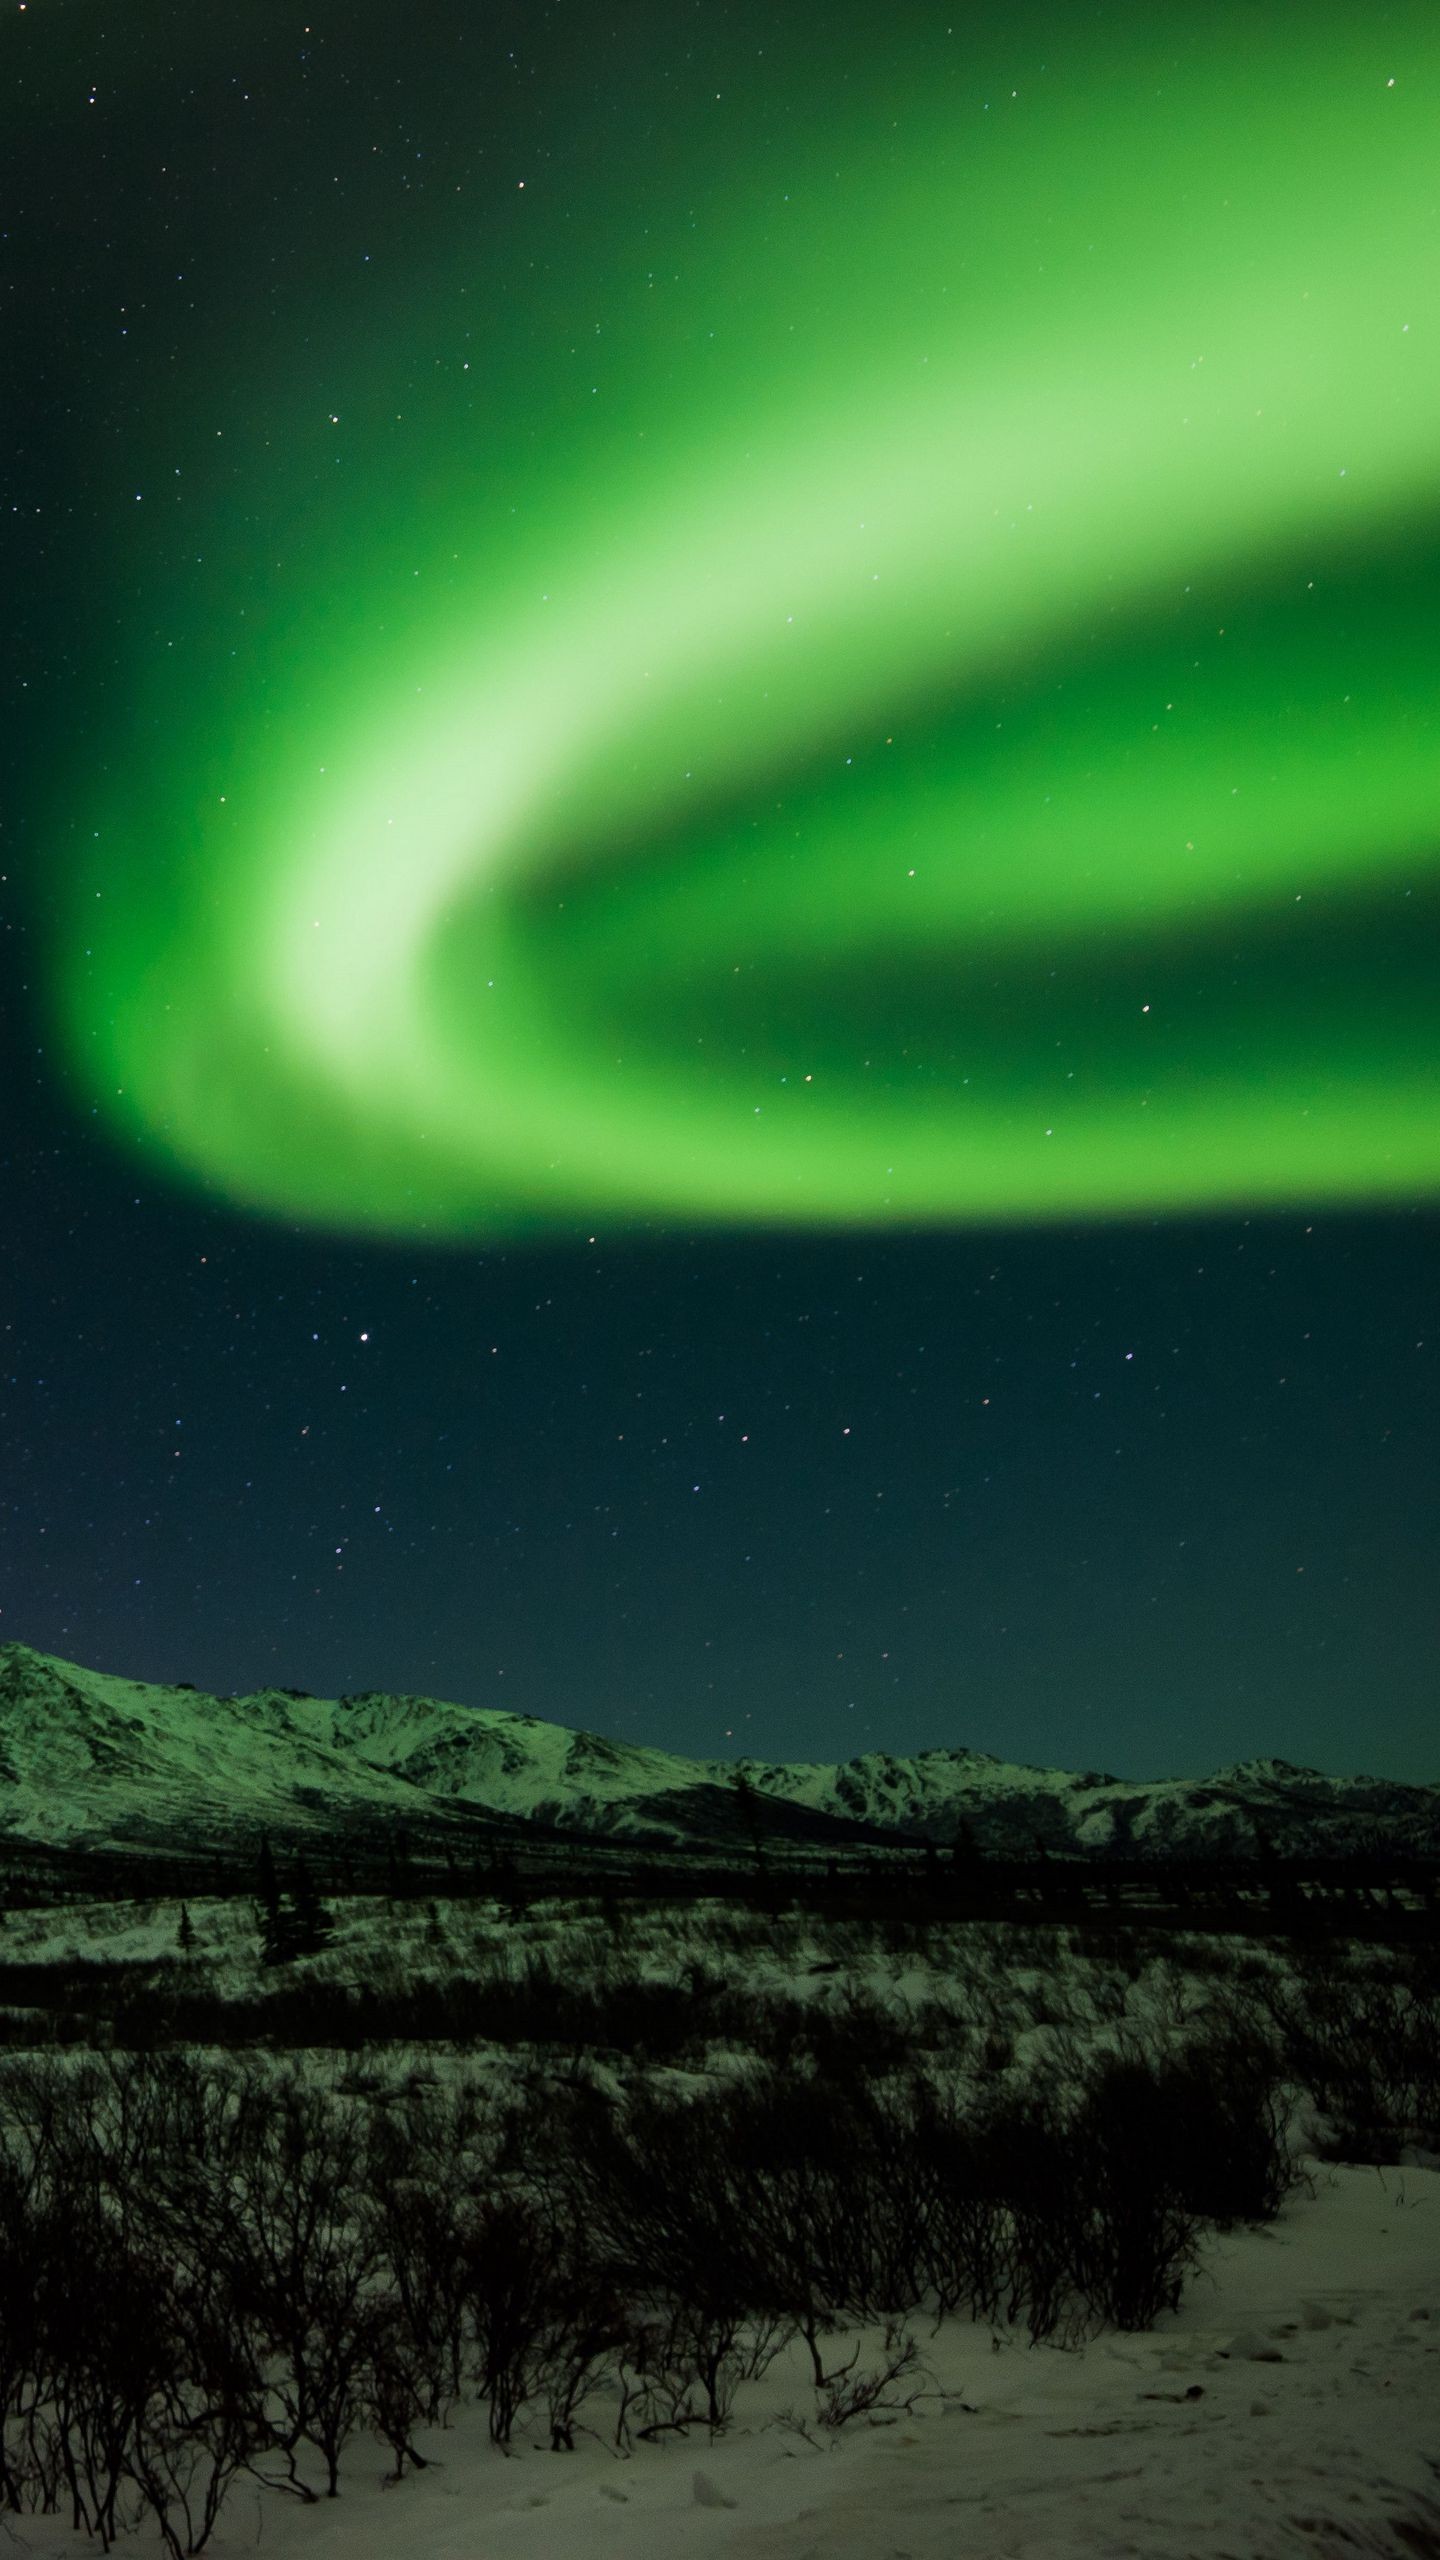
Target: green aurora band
x=913, y=702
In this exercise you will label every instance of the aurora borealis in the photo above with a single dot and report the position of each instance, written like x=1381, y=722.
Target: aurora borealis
x=926, y=715
x=719, y=908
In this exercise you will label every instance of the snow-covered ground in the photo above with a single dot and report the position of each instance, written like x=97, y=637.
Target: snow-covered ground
x=1298, y=2386
x=1291, y=2403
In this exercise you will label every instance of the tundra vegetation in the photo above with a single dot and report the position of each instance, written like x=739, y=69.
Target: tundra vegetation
x=269, y=2186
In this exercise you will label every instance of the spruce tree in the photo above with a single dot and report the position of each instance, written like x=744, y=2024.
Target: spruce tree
x=312, y=1923
x=748, y=1808
x=295, y=1924
x=267, y=1905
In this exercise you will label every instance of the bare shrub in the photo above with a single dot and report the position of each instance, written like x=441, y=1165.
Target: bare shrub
x=428, y=2162
x=1018, y=2156
x=512, y=2271
x=397, y=2389
x=852, y=2393
x=1133, y=2238
x=305, y=2257
x=679, y=2368
x=1364, y=2039
x=588, y=2330
x=106, y=2351
x=203, y=2420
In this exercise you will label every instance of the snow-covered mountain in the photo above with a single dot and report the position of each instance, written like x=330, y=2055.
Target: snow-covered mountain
x=89, y=1760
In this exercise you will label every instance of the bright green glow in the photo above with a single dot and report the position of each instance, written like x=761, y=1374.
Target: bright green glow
x=963, y=748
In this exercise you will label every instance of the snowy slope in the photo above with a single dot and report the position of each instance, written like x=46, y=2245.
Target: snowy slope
x=84, y=1757
x=1010, y=1806
x=89, y=1758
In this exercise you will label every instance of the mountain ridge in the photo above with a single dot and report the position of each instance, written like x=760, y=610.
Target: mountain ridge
x=92, y=1759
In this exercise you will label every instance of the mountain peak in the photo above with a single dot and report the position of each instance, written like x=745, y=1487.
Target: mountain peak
x=1259, y=1771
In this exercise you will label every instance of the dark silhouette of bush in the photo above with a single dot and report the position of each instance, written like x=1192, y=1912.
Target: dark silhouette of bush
x=305, y=2258
x=1366, y=2048
x=653, y=2185
x=1205, y=2115
x=23, y=2265
x=429, y=2164
x=528, y=2313
x=589, y=2326
x=107, y=2351
x=959, y=2235
x=820, y=2175
x=398, y=2378
x=1132, y=2237
x=204, y=2419
x=136, y=2362
x=815, y=2200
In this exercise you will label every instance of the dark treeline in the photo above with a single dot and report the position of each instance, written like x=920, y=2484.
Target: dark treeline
x=214, y=2269
x=1346, y=1890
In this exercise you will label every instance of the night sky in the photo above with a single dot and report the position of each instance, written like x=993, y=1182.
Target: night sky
x=721, y=921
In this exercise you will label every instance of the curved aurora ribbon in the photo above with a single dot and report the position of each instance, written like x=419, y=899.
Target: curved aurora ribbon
x=966, y=749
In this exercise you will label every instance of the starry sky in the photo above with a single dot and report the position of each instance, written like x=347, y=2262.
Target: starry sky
x=720, y=937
